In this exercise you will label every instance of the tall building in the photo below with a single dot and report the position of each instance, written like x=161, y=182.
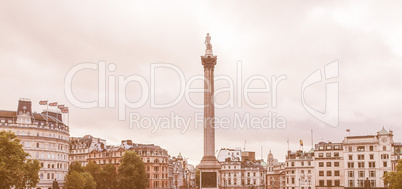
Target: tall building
x=368, y=157
x=329, y=166
x=44, y=136
x=300, y=170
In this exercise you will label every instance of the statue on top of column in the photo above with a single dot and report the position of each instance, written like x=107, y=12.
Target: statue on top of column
x=208, y=42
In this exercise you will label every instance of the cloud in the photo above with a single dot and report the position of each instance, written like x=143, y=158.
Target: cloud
x=44, y=40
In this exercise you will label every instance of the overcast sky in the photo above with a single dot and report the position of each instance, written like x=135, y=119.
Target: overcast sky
x=42, y=40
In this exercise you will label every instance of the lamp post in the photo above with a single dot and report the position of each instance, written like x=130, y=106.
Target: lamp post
x=299, y=182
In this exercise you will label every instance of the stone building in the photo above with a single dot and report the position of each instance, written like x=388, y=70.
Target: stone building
x=181, y=176
x=155, y=158
x=300, y=170
x=44, y=136
x=240, y=171
x=368, y=157
x=276, y=177
x=81, y=146
x=329, y=166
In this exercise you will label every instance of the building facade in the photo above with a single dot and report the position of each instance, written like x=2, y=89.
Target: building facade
x=329, y=166
x=240, y=171
x=81, y=146
x=44, y=136
x=162, y=170
x=368, y=157
x=276, y=173
x=300, y=170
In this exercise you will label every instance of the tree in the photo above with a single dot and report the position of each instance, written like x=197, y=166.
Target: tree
x=394, y=179
x=132, y=173
x=76, y=180
x=94, y=169
x=15, y=170
x=75, y=166
x=107, y=177
x=89, y=182
x=31, y=176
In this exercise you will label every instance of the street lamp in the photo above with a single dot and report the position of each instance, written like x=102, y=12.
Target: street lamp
x=299, y=182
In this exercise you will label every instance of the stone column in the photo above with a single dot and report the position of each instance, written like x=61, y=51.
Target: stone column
x=209, y=165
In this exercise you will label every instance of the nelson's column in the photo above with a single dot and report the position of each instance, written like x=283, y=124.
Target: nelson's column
x=209, y=166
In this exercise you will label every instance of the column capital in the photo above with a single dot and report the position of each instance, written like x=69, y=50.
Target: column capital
x=208, y=61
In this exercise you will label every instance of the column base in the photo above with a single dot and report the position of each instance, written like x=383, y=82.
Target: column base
x=209, y=172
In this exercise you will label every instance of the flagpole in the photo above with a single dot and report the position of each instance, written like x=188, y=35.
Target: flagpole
x=47, y=112
x=57, y=116
x=312, y=140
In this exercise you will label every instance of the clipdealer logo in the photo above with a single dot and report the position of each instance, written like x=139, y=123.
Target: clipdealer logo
x=238, y=88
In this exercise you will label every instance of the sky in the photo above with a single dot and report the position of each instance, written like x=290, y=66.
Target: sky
x=43, y=42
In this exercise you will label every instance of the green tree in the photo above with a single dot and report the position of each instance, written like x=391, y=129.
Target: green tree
x=31, y=176
x=74, y=180
x=394, y=179
x=107, y=177
x=94, y=169
x=15, y=170
x=76, y=166
x=89, y=182
x=132, y=173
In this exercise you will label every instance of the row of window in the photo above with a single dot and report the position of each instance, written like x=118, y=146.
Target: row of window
x=51, y=176
x=329, y=173
x=162, y=184
x=365, y=148
x=329, y=183
x=43, y=155
x=371, y=156
x=302, y=163
x=361, y=174
x=254, y=174
x=228, y=182
x=328, y=164
x=57, y=165
x=301, y=171
x=157, y=168
x=156, y=176
x=336, y=147
x=362, y=164
x=328, y=154
x=302, y=181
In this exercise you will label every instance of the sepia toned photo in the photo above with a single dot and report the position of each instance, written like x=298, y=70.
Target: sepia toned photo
x=200, y=94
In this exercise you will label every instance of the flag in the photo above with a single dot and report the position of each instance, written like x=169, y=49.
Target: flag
x=301, y=143
x=60, y=107
x=64, y=110
x=347, y=130
x=53, y=104
x=43, y=102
